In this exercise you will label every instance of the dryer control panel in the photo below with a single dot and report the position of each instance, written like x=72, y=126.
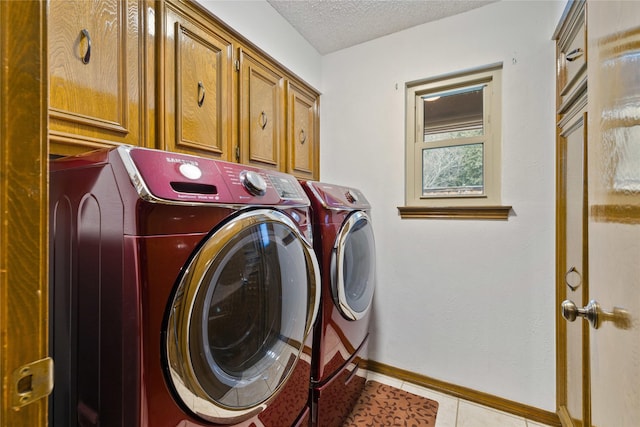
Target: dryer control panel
x=173, y=177
x=338, y=196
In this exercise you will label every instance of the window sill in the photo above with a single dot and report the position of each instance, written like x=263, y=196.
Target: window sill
x=455, y=212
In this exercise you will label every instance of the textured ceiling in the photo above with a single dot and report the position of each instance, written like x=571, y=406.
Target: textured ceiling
x=331, y=25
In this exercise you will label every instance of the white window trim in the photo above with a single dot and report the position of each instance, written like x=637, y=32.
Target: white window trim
x=491, y=76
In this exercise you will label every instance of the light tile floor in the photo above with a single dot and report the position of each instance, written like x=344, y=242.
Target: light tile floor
x=454, y=412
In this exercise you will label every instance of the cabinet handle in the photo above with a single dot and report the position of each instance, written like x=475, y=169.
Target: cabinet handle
x=201, y=93
x=303, y=136
x=263, y=120
x=574, y=54
x=87, y=55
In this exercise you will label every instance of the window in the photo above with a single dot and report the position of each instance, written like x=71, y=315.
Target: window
x=453, y=145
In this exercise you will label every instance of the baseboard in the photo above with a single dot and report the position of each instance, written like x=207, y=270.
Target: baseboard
x=505, y=405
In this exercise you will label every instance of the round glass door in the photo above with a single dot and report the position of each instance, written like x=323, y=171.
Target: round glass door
x=353, y=265
x=240, y=315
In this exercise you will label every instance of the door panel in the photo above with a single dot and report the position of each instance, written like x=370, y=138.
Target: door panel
x=24, y=297
x=574, y=285
x=614, y=208
x=572, y=267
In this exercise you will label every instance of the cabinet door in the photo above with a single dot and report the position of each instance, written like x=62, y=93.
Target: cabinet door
x=571, y=54
x=95, y=63
x=261, y=114
x=302, y=133
x=197, y=94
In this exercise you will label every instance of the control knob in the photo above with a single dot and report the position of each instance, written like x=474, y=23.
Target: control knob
x=253, y=182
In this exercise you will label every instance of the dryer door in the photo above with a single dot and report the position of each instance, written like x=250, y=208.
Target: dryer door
x=241, y=312
x=353, y=265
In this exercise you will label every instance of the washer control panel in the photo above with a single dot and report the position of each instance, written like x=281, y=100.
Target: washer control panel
x=286, y=188
x=170, y=177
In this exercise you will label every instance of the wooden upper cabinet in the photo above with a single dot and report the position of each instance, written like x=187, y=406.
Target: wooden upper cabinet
x=303, y=149
x=170, y=75
x=95, y=67
x=197, y=79
x=261, y=98
x=571, y=51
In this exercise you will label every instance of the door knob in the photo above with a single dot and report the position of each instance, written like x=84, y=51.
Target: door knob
x=596, y=315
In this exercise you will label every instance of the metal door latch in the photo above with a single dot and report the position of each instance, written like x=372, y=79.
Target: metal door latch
x=31, y=382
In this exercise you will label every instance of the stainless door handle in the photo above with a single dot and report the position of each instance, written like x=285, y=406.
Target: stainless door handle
x=596, y=315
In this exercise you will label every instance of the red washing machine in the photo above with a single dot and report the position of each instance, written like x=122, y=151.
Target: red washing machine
x=184, y=292
x=345, y=246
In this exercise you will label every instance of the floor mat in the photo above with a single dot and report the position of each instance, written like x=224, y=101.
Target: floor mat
x=383, y=405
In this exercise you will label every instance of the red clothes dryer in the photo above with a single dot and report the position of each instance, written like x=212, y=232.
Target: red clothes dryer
x=184, y=291
x=345, y=247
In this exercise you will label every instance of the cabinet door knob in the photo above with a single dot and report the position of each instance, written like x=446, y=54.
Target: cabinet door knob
x=87, y=55
x=201, y=93
x=303, y=136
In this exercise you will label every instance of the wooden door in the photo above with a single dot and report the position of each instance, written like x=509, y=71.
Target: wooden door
x=614, y=211
x=23, y=211
x=96, y=65
x=261, y=113
x=197, y=108
x=302, y=133
x=571, y=215
x=572, y=268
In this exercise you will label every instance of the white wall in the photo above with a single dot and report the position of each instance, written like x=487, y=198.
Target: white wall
x=257, y=21
x=468, y=302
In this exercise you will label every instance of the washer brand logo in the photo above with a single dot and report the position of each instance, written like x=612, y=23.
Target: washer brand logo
x=176, y=160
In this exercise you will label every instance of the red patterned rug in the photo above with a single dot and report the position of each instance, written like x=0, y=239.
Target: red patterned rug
x=383, y=405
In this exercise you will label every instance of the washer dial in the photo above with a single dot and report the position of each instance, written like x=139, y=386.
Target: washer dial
x=253, y=182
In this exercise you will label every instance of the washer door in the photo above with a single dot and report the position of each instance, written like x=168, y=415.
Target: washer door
x=241, y=312
x=353, y=265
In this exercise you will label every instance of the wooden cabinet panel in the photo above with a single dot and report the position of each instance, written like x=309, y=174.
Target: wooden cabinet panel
x=95, y=64
x=571, y=56
x=261, y=113
x=302, y=133
x=198, y=87
x=574, y=53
